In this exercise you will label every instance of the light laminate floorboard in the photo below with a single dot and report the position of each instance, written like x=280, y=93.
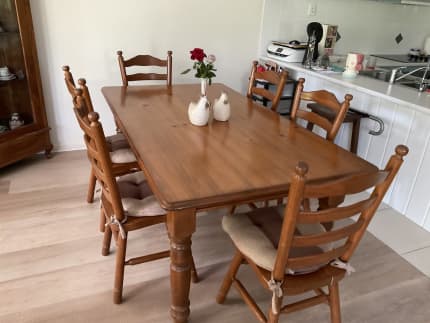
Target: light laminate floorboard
x=51, y=269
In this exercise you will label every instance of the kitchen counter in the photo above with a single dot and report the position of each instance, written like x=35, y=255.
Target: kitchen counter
x=398, y=94
x=406, y=116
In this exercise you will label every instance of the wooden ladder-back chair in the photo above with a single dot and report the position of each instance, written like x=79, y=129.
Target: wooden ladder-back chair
x=145, y=60
x=330, y=125
x=277, y=79
x=124, y=159
x=294, y=254
x=128, y=202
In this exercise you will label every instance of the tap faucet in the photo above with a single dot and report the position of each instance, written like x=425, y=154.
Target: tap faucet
x=423, y=83
x=394, y=72
x=309, y=55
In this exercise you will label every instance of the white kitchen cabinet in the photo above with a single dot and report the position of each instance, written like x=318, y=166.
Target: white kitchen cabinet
x=407, y=2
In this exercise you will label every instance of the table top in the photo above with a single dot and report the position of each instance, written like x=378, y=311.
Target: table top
x=250, y=157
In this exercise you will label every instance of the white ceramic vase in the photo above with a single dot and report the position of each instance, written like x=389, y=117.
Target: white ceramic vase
x=222, y=108
x=203, y=86
x=198, y=113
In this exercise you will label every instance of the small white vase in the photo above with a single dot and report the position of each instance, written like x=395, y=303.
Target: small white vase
x=203, y=86
x=222, y=108
x=198, y=113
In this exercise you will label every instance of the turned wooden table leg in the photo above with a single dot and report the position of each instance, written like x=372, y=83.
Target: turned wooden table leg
x=180, y=224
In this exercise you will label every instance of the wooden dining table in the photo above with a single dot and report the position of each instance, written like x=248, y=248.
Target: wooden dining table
x=249, y=158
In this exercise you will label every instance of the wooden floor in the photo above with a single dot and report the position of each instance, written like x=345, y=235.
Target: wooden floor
x=51, y=269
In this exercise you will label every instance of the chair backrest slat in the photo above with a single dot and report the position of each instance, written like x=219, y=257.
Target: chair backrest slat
x=326, y=237
x=145, y=61
x=259, y=91
x=272, y=77
x=146, y=76
x=346, y=185
x=339, y=213
x=326, y=99
x=314, y=118
x=307, y=262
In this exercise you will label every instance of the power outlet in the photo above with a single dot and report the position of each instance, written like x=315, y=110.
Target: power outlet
x=312, y=9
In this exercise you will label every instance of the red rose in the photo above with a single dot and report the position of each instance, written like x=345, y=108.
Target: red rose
x=198, y=54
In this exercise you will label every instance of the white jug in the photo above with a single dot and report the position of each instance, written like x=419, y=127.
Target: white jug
x=222, y=108
x=198, y=113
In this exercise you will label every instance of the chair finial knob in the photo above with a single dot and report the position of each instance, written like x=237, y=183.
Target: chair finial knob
x=302, y=168
x=348, y=97
x=93, y=117
x=402, y=150
x=66, y=68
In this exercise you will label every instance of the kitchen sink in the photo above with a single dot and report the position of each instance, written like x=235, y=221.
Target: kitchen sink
x=413, y=80
x=380, y=74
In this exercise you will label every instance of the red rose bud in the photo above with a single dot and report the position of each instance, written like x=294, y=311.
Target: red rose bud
x=197, y=54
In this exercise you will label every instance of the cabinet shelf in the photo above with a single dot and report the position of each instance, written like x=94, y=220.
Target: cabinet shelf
x=9, y=33
x=8, y=134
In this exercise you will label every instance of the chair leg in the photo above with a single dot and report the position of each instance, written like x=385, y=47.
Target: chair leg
x=119, y=269
x=232, y=209
x=354, y=136
x=107, y=237
x=228, y=279
x=334, y=303
x=274, y=318
x=194, y=275
x=91, y=186
x=102, y=224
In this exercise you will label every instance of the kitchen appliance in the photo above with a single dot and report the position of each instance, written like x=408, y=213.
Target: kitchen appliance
x=315, y=33
x=287, y=52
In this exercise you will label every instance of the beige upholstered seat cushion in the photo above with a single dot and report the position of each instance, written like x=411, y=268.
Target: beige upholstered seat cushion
x=119, y=149
x=136, y=196
x=256, y=234
x=122, y=156
x=117, y=141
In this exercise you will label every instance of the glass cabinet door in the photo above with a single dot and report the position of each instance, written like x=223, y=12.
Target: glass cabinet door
x=15, y=103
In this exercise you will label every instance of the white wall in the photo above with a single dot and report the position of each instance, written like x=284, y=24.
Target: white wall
x=86, y=35
x=365, y=26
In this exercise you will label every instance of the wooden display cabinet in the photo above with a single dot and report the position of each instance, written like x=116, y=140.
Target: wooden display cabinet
x=21, y=90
